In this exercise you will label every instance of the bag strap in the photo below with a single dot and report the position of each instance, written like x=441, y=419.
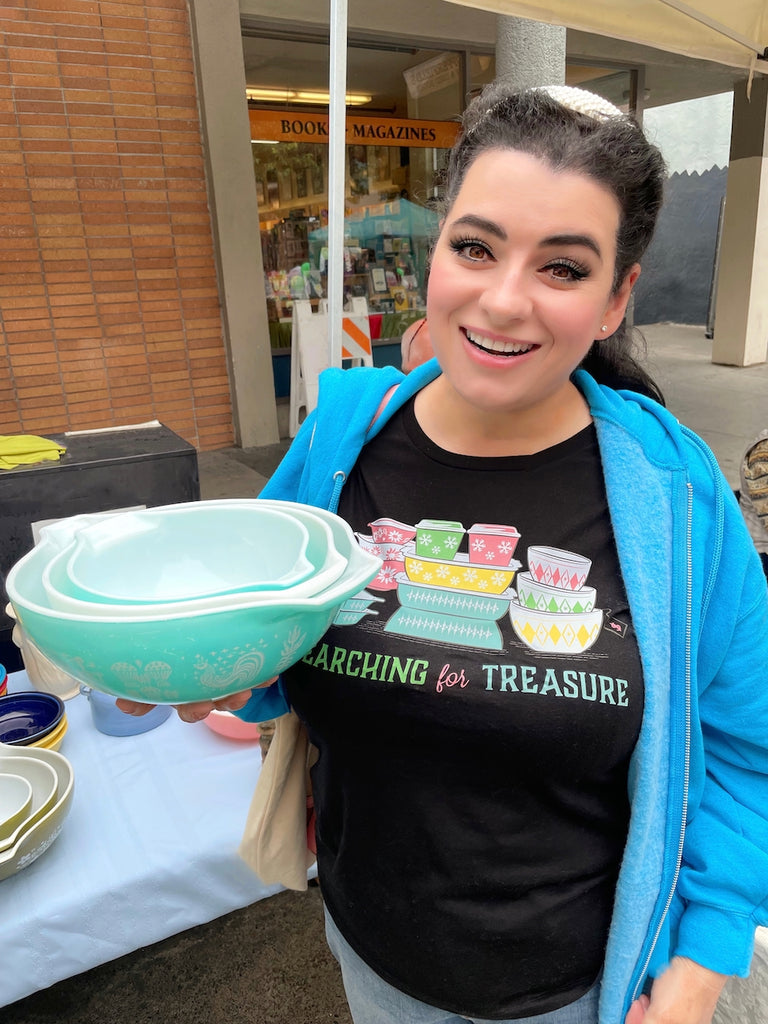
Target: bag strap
x=382, y=406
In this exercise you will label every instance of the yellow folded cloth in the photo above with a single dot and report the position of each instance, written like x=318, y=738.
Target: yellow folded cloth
x=27, y=449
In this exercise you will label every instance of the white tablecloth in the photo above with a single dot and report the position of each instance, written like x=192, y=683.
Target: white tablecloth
x=148, y=850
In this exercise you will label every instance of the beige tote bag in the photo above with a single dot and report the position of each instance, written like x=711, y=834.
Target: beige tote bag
x=274, y=842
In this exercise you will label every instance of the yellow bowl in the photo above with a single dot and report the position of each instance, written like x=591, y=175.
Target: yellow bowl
x=54, y=739
x=455, y=575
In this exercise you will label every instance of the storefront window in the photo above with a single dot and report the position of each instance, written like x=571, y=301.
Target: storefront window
x=390, y=220
x=403, y=109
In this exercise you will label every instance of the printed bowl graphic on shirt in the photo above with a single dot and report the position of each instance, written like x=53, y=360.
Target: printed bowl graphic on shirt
x=556, y=632
x=459, y=574
x=492, y=543
x=438, y=538
x=392, y=557
x=553, y=611
x=448, y=616
x=356, y=608
x=532, y=594
x=558, y=568
x=390, y=531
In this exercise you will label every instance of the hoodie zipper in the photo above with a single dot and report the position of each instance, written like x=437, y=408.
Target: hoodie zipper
x=687, y=752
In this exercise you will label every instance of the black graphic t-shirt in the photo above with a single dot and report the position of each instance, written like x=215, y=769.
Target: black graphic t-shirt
x=475, y=708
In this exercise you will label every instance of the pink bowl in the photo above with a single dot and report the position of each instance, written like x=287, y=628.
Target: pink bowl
x=234, y=728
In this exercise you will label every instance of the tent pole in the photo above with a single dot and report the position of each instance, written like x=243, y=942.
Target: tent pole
x=336, y=150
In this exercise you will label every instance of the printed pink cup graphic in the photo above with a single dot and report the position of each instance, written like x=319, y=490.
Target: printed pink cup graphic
x=558, y=568
x=492, y=544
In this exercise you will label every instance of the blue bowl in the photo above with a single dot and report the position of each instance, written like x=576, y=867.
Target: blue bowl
x=109, y=719
x=28, y=717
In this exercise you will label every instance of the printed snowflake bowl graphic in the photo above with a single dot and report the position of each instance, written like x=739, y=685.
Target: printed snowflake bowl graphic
x=458, y=575
x=438, y=538
x=497, y=543
x=390, y=531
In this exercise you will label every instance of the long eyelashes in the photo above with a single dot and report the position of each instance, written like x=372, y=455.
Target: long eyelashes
x=464, y=247
x=575, y=271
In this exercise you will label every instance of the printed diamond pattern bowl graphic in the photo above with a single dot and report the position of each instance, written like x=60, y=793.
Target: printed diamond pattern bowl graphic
x=543, y=598
x=555, y=632
x=557, y=568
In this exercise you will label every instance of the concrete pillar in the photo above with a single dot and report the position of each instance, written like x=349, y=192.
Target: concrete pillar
x=235, y=217
x=741, y=310
x=529, y=53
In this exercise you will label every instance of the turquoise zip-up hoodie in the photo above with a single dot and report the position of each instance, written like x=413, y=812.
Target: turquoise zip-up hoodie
x=694, y=878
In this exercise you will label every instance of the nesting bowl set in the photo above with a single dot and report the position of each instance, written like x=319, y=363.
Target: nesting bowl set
x=186, y=602
x=36, y=786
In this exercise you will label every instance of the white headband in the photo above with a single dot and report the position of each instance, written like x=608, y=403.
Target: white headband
x=582, y=102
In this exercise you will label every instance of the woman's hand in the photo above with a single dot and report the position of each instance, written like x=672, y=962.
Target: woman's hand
x=686, y=993
x=194, y=712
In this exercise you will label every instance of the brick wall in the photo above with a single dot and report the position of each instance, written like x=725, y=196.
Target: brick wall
x=109, y=308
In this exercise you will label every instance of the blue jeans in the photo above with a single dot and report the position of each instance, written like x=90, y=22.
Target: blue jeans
x=373, y=1001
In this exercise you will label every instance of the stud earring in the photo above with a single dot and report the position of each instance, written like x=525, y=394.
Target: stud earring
x=604, y=328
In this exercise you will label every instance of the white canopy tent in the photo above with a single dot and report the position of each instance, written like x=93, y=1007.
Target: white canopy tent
x=734, y=34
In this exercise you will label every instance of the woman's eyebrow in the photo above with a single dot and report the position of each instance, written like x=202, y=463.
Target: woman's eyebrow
x=491, y=227
x=586, y=240
x=482, y=224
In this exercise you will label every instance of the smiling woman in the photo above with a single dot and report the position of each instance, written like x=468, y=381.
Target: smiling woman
x=563, y=789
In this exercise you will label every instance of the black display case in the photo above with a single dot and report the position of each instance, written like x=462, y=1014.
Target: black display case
x=100, y=471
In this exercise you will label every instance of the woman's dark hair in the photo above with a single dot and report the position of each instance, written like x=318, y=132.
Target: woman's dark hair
x=613, y=151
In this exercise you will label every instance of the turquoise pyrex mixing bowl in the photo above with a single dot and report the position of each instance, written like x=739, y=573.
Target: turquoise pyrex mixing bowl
x=65, y=596
x=186, y=657
x=179, y=552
